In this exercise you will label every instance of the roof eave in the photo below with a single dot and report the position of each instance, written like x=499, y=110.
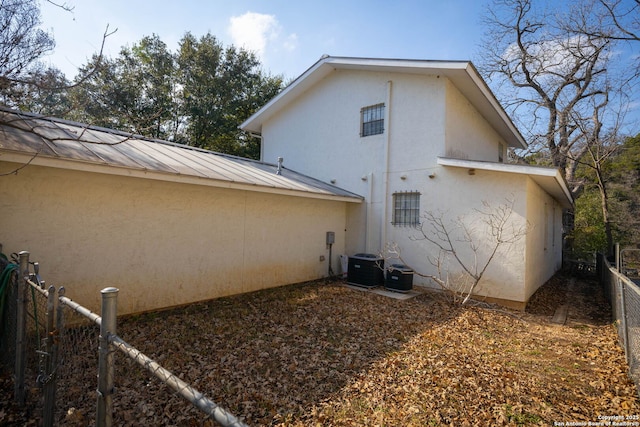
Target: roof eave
x=549, y=179
x=503, y=122
x=479, y=92
x=254, y=123
x=82, y=166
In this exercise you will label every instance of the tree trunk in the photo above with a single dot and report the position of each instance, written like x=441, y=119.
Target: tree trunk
x=604, y=202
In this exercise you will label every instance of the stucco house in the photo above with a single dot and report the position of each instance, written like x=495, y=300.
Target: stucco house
x=165, y=223
x=368, y=145
x=412, y=136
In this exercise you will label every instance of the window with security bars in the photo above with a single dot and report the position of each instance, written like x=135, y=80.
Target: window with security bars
x=406, y=209
x=372, y=119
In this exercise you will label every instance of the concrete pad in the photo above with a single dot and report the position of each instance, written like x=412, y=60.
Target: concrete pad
x=560, y=316
x=386, y=292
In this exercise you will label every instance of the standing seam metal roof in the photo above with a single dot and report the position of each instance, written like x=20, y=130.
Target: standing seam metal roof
x=47, y=138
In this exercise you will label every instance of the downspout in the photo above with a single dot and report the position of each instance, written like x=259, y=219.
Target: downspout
x=367, y=213
x=385, y=195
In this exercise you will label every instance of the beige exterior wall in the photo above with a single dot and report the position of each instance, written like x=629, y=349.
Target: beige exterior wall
x=544, y=239
x=318, y=134
x=453, y=194
x=468, y=135
x=426, y=117
x=161, y=243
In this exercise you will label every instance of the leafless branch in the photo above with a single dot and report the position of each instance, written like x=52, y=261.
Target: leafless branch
x=79, y=80
x=557, y=66
x=51, y=131
x=456, y=240
x=63, y=6
x=27, y=163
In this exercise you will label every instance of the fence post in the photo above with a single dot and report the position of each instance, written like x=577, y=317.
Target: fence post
x=49, y=380
x=106, y=368
x=617, y=254
x=623, y=318
x=21, y=327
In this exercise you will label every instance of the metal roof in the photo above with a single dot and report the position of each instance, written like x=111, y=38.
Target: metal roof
x=45, y=141
x=462, y=74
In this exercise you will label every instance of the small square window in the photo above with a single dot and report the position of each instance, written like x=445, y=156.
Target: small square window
x=372, y=120
x=406, y=209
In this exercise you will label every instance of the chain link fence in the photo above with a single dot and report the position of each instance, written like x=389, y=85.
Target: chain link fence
x=77, y=372
x=623, y=293
x=72, y=369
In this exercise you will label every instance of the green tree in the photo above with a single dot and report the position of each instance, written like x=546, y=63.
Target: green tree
x=588, y=235
x=93, y=99
x=25, y=83
x=221, y=87
x=596, y=228
x=624, y=184
x=46, y=93
x=197, y=96
x=149, y=69
x=133, y=92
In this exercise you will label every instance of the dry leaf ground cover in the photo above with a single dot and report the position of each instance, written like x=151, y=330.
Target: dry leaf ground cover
x=321, y=354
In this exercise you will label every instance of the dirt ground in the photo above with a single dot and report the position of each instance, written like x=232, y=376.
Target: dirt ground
x=321, y=354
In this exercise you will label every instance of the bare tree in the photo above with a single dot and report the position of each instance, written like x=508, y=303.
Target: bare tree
x=22, y=42
x=617, y=20
x=602, y=138
x=471, y=245
x=558, y=75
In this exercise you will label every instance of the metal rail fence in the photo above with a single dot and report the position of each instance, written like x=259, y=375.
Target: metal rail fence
x=49, y=345
x=624, y=295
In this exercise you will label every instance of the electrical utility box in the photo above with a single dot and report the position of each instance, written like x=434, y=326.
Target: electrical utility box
x=331, y=237
x=366, y=270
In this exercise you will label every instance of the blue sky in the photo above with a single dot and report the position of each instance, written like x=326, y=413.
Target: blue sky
x=289, y=36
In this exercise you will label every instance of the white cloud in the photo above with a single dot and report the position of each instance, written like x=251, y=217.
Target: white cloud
x=554, y=57
x=256, y=31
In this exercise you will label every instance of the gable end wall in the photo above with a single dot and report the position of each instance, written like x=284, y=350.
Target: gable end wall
x=468, y=135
